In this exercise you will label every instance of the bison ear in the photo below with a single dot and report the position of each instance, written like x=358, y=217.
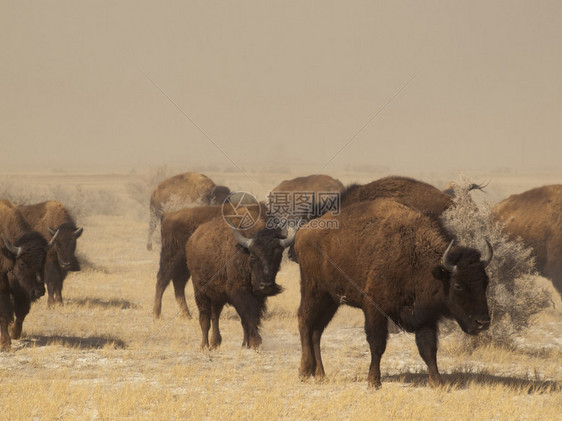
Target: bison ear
x=443, y=275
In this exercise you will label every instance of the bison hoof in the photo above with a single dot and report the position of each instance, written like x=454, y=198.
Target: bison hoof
x=436, y=381
x=376, y=384
x=216, y=342
x=254, y=343
x=15, y=332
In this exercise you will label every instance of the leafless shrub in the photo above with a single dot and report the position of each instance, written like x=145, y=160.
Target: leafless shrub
x=514, y=296
x=141, y=189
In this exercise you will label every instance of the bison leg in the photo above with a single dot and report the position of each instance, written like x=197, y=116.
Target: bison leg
x=426, y=340
x=53, y=280
x=204, y=305
x=376, y=329
x=5, y=341
x=161, y=283
x=216, y=338
x=250, y=310
x=6, y=312
x=314, y=315
x=21, y=309
x=179, y=290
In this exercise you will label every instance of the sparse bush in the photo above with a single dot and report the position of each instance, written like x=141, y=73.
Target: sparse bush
x=514, y=296
x=141, y=189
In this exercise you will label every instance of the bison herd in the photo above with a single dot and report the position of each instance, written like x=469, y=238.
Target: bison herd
x=388, y=255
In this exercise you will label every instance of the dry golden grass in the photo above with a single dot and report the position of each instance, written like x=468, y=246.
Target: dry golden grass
x=102, y=356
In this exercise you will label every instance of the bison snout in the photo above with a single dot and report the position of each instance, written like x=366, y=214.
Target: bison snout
x=482, y=324
x=38, y=291
x=71, y=266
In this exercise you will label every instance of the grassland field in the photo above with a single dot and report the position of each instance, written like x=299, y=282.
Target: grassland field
x=102, y=356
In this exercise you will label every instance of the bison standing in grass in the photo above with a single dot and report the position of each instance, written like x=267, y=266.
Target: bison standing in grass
x=189, y=187
x=392, y=262
x=230, y=268
x=47, y=218
x=22, y=262
x=535, y=216
x=176, y=228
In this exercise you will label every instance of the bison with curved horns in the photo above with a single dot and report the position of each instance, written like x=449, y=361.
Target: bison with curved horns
x=176, y=228
x=535, y=217
x=229, y=268
x=394, y=263
x=48, y=218
x=22, y=263
x=187, y=187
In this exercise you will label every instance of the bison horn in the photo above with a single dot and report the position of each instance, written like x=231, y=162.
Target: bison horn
x=486, y=261
x=446, y=264
x=78, y=232
x=286, y=242
x=55, y=235
x=16, y=251
x=243, y=241
x=52, y=231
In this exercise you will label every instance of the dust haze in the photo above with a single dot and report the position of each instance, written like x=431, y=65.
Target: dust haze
x=398, y=87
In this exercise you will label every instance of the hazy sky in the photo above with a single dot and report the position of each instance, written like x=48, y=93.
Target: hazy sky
x=459, y=84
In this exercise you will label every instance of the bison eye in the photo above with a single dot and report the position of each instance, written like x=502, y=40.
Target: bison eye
x=458, y=287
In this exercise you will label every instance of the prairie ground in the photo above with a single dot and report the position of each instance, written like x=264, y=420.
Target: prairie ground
x=103, y=356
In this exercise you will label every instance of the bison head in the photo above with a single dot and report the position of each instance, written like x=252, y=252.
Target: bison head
x=219, y=194
x=265, y=252
x=465, y=281
x=65, y=245
x=28, y=255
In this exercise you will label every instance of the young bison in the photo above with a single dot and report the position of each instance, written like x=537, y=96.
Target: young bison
x=393, y=262
x=229, y=268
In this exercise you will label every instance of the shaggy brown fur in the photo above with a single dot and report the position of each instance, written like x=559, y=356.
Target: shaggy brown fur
x=535, y=216
x=385, y=258
x=22, y=261
x=416, y=194
x=189, y=187
x=225, y=272
x=45, y=218
x=177, y=227
x=311, y=183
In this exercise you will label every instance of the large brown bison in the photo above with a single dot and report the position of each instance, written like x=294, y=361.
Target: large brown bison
x=535, y=216
x=230, y=268
x=176, y=228
x=47, y=218
x=22, y=263
x=392, y=262
x=190, y=187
